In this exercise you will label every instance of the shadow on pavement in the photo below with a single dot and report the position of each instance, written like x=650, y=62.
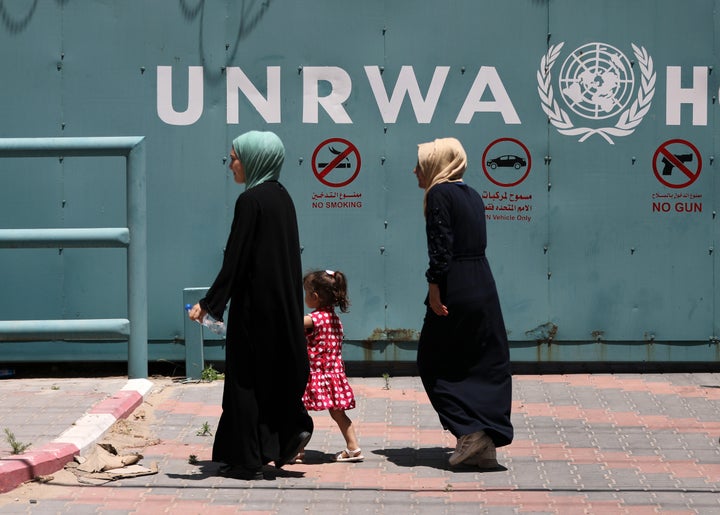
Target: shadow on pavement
x=434, y=457
x=209, y=469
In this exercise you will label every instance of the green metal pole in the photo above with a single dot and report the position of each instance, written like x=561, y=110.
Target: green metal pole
x=137, y=262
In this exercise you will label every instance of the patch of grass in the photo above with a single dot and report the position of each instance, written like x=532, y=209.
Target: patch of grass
x=209, y=374
x=17, y=447
x=386, y=377
x=204, y=430
x=192, y=459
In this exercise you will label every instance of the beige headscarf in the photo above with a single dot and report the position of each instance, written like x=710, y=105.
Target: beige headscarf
x=442, y=160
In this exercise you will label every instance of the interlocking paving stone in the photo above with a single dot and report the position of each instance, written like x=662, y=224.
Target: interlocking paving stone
x=605, y=443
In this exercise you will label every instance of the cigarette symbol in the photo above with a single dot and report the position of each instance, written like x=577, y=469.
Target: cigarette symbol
x=344, y=164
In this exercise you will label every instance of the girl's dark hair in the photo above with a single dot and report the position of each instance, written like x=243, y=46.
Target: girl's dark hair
x=330, y=286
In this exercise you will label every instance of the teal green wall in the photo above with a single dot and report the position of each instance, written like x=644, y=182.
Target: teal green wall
x=589, y=264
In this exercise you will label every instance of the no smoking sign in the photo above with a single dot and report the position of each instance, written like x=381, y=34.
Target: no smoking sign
x=336, y=162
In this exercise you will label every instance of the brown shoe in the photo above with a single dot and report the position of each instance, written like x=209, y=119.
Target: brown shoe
x=485, y=460
x=470, y=445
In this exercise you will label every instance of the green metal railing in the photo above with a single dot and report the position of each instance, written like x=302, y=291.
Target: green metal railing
x=133, y=237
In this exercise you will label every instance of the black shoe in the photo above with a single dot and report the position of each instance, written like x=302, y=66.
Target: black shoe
x=240, y=472
x=294, y=446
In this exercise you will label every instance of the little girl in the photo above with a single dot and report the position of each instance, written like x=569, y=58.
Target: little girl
x=328, y=387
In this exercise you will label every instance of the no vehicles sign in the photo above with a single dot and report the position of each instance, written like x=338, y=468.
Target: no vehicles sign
x=506, y=162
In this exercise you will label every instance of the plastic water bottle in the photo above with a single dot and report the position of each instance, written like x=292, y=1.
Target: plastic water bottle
x=215, y=326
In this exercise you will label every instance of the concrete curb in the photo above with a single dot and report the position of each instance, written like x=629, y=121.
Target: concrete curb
x=87, y=430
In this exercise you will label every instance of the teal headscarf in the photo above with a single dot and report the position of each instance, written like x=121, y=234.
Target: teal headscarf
x=262, y=154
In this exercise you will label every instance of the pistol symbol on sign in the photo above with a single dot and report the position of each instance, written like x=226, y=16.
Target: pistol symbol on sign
x=683, y=158
x=344, y=164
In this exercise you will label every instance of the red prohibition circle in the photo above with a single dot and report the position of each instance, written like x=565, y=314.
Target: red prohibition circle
x=321, y=174
x=492, y=179
x=682, y=168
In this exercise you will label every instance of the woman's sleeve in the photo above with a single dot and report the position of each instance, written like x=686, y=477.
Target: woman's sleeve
x=439, y=236
x=238, y=252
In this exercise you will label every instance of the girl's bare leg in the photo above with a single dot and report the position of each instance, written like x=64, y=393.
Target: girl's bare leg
x=346, y=428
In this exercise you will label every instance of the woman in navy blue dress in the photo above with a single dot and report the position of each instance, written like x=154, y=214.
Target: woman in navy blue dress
x=463, y=356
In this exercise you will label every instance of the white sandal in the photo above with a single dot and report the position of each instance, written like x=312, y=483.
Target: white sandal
x=349, y=456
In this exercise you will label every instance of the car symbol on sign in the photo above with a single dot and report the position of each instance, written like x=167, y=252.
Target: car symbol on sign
x=507, y=161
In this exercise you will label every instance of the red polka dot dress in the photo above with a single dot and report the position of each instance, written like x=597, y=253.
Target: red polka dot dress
x=328, y=387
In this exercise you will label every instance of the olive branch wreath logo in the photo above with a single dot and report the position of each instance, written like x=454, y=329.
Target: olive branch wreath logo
x=629, y=119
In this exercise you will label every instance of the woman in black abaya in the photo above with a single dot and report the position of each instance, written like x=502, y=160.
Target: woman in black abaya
x=266, y=363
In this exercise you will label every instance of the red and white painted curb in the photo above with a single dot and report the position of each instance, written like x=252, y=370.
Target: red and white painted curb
x=88, y=429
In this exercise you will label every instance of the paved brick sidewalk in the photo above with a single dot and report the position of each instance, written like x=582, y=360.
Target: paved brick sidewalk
x=37, y=410
x=585, y=443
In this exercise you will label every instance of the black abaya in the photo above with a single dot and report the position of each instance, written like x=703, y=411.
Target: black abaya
x=266, y=357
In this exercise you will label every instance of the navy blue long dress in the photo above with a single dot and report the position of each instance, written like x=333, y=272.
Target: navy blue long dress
x=463, y=358
x=266, y=361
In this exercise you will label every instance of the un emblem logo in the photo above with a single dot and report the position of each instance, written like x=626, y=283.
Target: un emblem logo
x=597, y=82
